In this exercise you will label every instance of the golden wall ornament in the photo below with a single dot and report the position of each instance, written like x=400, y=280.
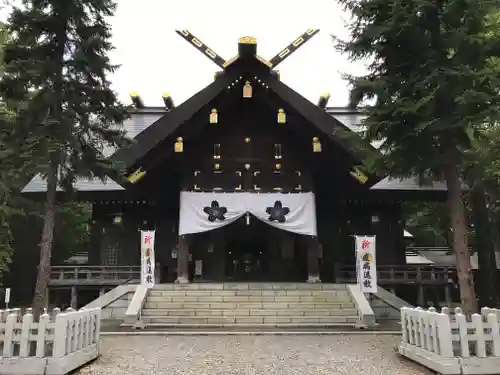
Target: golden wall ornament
x=179, y=145
x=136, y=176
x=247, y=90
x=316, y=144
x=357, y=174
x=214, y=117
x=281, y=116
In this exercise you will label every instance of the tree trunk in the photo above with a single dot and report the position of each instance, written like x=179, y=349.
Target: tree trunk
x=459, y=232
x=488, y=291
x=40, y=300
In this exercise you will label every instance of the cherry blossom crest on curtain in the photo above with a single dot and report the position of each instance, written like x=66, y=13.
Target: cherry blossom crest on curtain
x=201, y=212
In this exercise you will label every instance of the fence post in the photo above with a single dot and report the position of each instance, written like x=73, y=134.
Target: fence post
x=444, y=335
x=404, y=325
x=477, y=322
x=411, y=327
x=60, y=333
x=97, y=324
x=85, y=331
x=55, y=311
x=43, y=322
x=434, y=346
x=423, y=328
x=8, y=347
x=462, y=332
x=495, y=334
x=25, y=343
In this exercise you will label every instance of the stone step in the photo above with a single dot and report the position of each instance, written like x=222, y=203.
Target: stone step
x=247, y=305
x=249, y=320
x=258, y=327
x=267, y=312
x=238, y=299
x=250, y=293
x=250, y=286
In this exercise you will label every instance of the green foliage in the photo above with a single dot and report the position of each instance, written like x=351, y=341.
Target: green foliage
x=56, y=65
x=8, y=172
x=72, y=234
x=55, y=80
x=428, y=223
x=433, y=76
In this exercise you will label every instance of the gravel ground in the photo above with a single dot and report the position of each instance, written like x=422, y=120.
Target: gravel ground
x=263, y=355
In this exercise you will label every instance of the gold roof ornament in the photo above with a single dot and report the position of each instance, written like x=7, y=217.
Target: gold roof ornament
x=247, y=90
x=247, y=40
x=136, y=176
x=167, y=100
x=323, y=100
x=136, y=99
x=213, y=117
x=358, y=175
x=316, y=144
x=179, y=145
x=281, y=116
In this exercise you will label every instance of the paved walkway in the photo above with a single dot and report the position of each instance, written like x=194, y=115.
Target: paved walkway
x=254, y=355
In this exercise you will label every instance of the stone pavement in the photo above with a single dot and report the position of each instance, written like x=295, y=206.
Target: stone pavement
x=252, y=355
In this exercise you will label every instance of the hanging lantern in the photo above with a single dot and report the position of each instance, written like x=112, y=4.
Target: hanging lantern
x=179, y=145
x=247, y=90
x=281, y=116
x=316, y=145
x=214, y=118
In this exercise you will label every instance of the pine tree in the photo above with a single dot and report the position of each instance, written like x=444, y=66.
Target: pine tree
x=434, y=79
x=56, y=65
x=9, y=172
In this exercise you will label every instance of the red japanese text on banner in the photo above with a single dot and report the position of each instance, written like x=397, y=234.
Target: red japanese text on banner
x=148, y=258
x=366, y=265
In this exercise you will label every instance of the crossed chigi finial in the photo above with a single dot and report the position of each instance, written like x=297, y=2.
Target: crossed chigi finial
x=222, y=63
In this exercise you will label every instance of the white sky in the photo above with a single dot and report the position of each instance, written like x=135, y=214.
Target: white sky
x=154, y=59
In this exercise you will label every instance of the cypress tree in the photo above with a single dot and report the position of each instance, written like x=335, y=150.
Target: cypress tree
x=56, y=67
x=434, y=79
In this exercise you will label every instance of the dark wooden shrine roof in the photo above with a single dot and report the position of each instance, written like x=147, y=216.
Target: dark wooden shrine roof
x=143, y=118
x=152, y=126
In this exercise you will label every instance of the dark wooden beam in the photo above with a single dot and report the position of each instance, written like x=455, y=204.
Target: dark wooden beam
x=292, y=47
x=202, y=47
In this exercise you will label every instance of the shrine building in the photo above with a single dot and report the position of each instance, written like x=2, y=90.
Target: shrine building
x=247, y=180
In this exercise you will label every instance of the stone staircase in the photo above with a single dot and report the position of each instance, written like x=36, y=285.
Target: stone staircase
x=258, y=305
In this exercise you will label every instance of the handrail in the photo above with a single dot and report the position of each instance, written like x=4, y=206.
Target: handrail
x=103, y=275
x=95, y=267
x=403, y=274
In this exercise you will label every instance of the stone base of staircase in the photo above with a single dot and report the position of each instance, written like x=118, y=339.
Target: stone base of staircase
x=249, y=305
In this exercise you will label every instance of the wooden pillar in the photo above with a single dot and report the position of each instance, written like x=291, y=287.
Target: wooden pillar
x=447, y=295
x=313, y=261
x=94, y=247
x=183, y=261
x=421, y=296
x=74, y=298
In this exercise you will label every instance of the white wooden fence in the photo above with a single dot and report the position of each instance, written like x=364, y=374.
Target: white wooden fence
x=450, y=343
x=56, y=344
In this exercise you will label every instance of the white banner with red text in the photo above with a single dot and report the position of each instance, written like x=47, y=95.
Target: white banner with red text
x=148, y=258
x=366, y=265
